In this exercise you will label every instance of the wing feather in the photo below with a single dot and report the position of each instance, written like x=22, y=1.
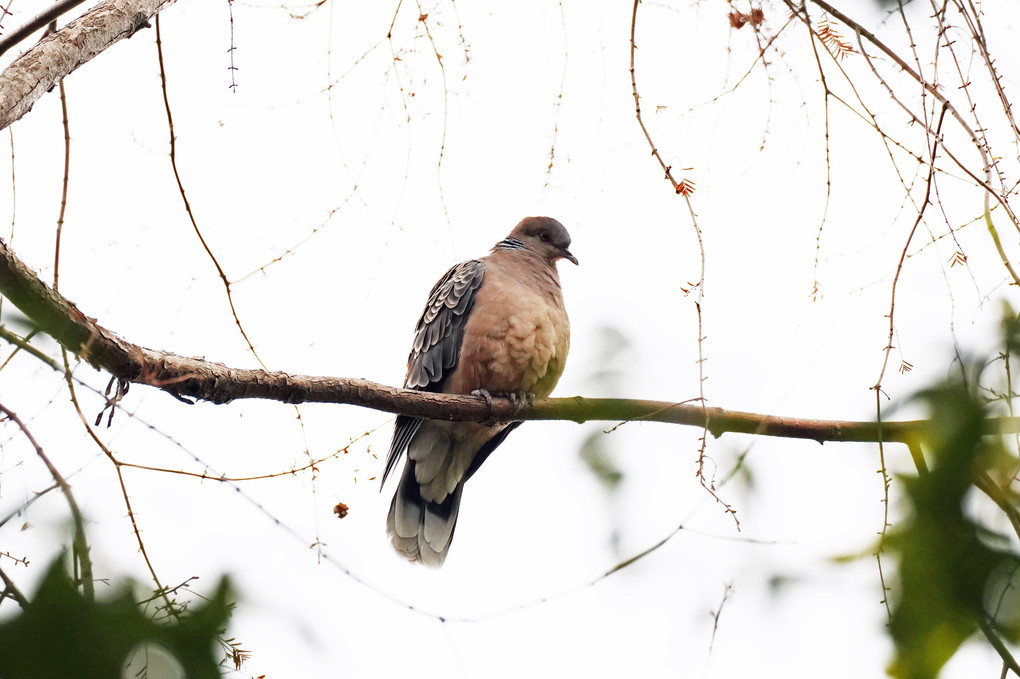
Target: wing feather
x=404, y=429
x=437, y=340
x=488, y=448
x=440, y=330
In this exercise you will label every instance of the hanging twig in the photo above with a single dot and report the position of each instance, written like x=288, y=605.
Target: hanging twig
x=80, y=544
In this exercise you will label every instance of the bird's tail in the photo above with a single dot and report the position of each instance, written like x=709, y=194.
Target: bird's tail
x=421, y=530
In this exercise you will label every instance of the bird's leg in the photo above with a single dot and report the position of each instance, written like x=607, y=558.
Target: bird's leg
x=484, y=393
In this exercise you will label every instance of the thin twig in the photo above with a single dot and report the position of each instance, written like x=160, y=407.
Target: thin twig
x=19, y=344
x=63, y=191
x=947, y=105
x=423, y=18
x=120, y=475
x=47, y=16
x=187, y=204
x=999, y=645
x=728, y=589
x=558, y=104
x=81, y=545
x=10, y=589
x=294, y=471
x=683, y=188
x=28, y=503
x=998, y=495
x=816, y=292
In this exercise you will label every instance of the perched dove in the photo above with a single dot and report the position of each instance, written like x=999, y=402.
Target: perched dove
x=492, y=326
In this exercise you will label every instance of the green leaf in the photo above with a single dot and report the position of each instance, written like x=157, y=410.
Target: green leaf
x=948, y=563
x=61, y=634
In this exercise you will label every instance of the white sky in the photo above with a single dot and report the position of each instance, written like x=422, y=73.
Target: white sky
x=348, y=180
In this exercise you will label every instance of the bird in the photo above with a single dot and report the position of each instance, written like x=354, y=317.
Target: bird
x=493, y=326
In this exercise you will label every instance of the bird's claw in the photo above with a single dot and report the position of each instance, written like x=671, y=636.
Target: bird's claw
x=520, y=400
x=483, y=393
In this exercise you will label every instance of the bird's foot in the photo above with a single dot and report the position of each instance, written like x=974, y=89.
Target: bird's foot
x=520, y=399
x=484, y=393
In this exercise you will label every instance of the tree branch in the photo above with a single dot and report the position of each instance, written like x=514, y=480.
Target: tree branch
x=46, y=16
x=195, y=378
x=55, y=56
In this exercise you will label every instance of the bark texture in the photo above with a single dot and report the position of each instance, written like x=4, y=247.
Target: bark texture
x=44, y=65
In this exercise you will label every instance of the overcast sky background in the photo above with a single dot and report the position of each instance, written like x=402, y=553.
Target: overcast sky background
x=327, y=156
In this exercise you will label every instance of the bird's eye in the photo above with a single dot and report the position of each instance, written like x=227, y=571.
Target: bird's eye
x=544, y=236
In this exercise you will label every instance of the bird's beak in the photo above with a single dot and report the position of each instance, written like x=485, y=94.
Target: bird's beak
x=567, y=256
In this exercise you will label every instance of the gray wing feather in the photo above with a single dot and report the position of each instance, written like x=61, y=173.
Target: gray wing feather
x=437, y=340
x=440, y=330
x=404, y=429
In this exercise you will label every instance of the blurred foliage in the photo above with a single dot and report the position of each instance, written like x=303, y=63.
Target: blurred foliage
x=597, y=451
x=614, y=362
x=956, y=576
x=596, y=454
x=61, y=634
x=17, y=321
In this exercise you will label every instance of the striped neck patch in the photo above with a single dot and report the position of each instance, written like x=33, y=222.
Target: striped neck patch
x=510, y=243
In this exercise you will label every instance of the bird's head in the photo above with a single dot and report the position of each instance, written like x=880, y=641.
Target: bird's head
x=544, y=236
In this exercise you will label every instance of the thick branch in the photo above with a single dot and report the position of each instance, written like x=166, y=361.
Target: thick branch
x=48, y=62
x=194, y=378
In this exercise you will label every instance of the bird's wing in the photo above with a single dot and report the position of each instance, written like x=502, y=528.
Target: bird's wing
x=487, y=449
x=437, y=340
x=440, y=330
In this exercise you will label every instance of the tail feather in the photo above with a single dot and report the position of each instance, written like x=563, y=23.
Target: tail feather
x=421, y=530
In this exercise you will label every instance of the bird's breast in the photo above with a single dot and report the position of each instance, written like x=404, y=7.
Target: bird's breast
x=516, y=339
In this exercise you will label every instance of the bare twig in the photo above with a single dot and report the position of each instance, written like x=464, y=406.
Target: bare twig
x=423, y=17
x=120, y=477
x=981, y=148
x=11, y=590
x=187, y=204
x=816, y=287
x=728, y=589
x=999, y=645
x=63, y=191
x=293, y=471
x=46, y=16
x=81, y=545
x=683, y=188
x=999, y=496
